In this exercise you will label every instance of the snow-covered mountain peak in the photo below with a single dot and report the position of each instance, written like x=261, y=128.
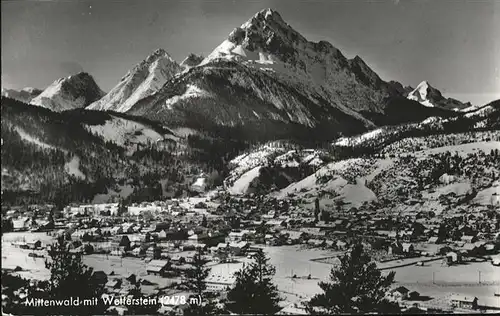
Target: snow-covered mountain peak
x=425, y=94
x=266, y=16
x=429, y=96
x=265, y=39
x=158, y=54
x=422, y=88
x=143, y=80
x=75, y=91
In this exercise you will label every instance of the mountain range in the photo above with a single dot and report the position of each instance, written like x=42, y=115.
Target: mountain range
x=165, y=122
x=24, y=95
x=264, y=76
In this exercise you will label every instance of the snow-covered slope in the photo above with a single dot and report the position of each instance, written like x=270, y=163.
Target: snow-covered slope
x=429, y=96
x=246, y=167
x=129, y=134
x=142, y=81
x=405, y=183
x=357, y=140
x=24, y=95
x=76, y=91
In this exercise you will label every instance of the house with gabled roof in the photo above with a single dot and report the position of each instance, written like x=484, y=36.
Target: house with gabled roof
x=400, y=293
x=461, y=301
x=157, y=267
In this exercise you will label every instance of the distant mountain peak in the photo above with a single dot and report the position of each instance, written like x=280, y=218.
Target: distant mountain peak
x=141, y=81
x=266, y=39
x=75, y=91
x=429, y=96
x=265, y=15
x=32, y=90
x=425, y=94
x=24, y=95
x=157, y=53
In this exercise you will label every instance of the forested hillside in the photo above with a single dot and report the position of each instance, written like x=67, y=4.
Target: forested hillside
x=56, y=157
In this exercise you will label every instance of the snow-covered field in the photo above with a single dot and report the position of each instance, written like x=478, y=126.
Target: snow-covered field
x=13, y=256
x=289, y=260
x=464, y=274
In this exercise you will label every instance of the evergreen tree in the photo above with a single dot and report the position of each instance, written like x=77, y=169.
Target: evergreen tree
x=357, y=287
x=195, y=281
x=316, y=209
x=141, y=309
x=254, y=292
x=196, y=275
x=70, y=278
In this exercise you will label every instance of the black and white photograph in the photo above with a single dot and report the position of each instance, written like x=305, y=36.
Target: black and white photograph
x=263, y=157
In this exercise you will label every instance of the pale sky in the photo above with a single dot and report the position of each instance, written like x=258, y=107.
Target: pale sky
x=455, y=45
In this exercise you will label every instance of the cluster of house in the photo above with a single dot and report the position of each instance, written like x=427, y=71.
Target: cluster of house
x=456, y=301
x=110, y=209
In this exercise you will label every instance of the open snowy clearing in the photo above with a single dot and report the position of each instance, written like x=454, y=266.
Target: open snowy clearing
x=241, y=185
x=125, y=132
x=73, y=168
x=32, y=139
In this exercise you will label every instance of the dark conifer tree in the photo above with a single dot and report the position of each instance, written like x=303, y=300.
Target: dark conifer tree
x=254, y=292
x=357, y=287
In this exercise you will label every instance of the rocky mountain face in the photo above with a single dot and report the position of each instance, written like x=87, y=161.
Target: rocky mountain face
x=429, y=96
x=266, y=74
x=24, y=95
x=191, y=60
x=141, y=81
x=73, y=92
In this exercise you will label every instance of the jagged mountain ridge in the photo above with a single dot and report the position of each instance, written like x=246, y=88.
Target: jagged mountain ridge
x=327, y=87
x=76, y=91
x=230, y=94
x=140, y=82
x=24, y=95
